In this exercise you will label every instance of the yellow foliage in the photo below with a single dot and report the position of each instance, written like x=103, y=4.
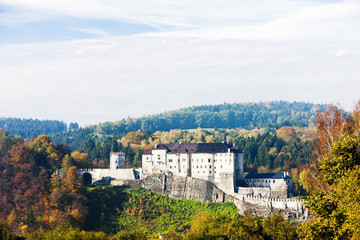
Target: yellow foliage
x=24, y=228
x=75, y=213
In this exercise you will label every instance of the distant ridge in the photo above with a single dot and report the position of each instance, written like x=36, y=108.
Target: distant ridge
x=273, y=115
x=31, y=128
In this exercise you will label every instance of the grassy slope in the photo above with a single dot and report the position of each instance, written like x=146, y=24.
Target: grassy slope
x=112, y=209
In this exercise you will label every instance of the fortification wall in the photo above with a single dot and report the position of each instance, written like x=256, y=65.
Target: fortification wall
x=280, y=203
x=262, y=192
x=108, y=174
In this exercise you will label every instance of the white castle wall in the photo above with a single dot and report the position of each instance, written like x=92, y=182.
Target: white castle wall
x=246, y=191
x=281, y=203
x=206, y=166
x=107, y=174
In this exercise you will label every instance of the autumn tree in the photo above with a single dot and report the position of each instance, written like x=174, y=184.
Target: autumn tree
x=26, y=185
x=46, y=153
x=334, y=201
x=81, y=160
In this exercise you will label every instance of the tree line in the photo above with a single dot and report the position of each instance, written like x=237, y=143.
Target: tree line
x=31, y=128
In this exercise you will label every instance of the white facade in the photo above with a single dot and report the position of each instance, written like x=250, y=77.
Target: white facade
x=117, y=160
x=274, y=181
x=204, y=160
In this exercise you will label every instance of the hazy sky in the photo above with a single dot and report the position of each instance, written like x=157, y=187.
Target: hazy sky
x=92, y=61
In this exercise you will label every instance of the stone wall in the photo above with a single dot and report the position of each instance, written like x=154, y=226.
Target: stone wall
x=262, y=192
x=184, y=188
x=285, y=203
x=108, y=174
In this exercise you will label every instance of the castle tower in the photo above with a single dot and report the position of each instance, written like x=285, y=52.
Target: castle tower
x=117, y=160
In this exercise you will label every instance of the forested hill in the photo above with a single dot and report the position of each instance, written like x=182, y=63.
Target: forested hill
x=246, y=115
x=31, y=128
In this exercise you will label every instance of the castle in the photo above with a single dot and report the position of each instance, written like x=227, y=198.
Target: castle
x=202, y=171
x=219, y=163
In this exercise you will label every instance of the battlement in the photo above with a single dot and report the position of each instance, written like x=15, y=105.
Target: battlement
x=117, y=153
x=281, y=203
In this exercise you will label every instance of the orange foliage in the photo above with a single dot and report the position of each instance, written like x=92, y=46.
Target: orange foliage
x=330, y=126
x=286, y=133
x=135, y=137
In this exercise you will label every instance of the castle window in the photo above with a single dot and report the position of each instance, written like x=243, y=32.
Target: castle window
x=210, y=166
x=265, y=181
x=178, y=160
x=209, y=171
x=202, y=160
x=205, y=166
x=197, y=166
x=183, y=159
x=170, y=166
x=115, y=161
x=273, y=181
x=198, y=172
x=203, y=171
x=201, y=166
x=209, y=160
x=221, y=166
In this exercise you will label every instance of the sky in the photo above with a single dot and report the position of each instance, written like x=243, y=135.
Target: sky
x=92, y=61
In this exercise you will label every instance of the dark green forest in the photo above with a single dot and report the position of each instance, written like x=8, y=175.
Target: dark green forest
x=31, y=128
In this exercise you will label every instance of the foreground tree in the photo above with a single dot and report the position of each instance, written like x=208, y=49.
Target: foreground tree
x=335, y=199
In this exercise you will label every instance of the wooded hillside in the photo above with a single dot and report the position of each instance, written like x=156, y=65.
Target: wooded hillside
x=271, y=115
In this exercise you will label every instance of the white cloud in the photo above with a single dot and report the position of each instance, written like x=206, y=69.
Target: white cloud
x=99, y=80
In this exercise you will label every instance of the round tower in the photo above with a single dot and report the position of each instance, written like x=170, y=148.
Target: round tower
x=117, y=160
